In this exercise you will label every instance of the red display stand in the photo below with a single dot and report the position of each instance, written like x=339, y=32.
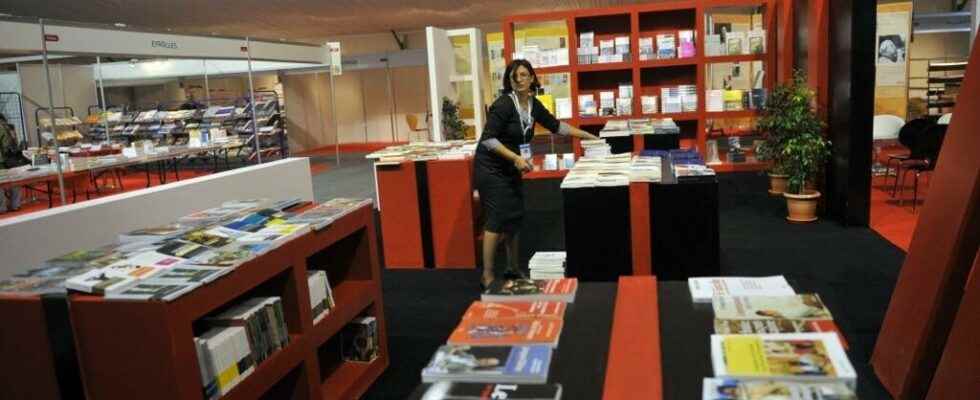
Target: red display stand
x=640, y=228
x=451, y=208
x=145, y=349
x=24, y=341
x=959, y=369
x=943, y=249
x=401, y=215
x=634, y=368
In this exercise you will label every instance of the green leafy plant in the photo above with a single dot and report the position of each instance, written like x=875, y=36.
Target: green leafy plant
x=803, y=157
x=788, y=113
x=453, y=128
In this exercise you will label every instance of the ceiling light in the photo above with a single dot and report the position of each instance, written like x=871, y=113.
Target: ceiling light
x=119, y=25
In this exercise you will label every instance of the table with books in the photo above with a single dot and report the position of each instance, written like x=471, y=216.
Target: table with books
x=244, y=291
x=638, y=134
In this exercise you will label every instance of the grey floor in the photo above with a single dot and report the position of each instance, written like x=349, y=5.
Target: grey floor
x=353, y=177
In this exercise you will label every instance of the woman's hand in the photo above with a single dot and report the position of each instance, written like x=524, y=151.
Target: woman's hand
x=522, y=165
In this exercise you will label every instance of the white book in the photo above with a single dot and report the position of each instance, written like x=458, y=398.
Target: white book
x=756, y=40
x=586, y=105
x=713, y=46
x=586, y=39
x=190, y=274
x=703, y=289
x=649, y=104
x=209, y=380
x=149, y=289
x=626, y=90
x=647, y=51
x=715, y=100
x=607, y=103
x=624, y=106
x=607, y=47
x=795, y=357
x=563, y=108
x=622, y=45
x=97, y=281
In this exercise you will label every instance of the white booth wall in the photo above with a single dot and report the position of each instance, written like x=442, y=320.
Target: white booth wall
x=72, y=86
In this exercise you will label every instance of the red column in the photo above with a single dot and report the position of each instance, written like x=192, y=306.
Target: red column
x=451, y=204
x=640, y=228
x=401, y=223
x=634, y=370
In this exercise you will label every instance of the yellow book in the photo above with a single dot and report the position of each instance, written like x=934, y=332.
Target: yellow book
x=548, y=101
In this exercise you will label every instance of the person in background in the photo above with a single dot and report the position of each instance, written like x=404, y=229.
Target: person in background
x=11, y=156
x=503, y=156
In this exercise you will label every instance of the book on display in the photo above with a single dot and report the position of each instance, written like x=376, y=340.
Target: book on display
x=447, y=390
x=586, y=105
x=686, y=47
x=704, y=288
x=666, y=46
x=149, y=289
x=802, y=307
x=532, y=290
x=481, y=310
x=648, y=104
x=733, y=389
x=359, y=340
x=507, y=332
x=796, y=357
x=97, y=281
x=190, y=274
x=607, y=103
x=646, y=49
x=490, y=364
x=230, y=358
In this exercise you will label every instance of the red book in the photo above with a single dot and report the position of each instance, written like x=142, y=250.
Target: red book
x=507, y=332
x=532, y=290
x=515, y=310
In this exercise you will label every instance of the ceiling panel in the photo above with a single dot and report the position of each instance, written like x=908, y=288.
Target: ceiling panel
x=299, y=20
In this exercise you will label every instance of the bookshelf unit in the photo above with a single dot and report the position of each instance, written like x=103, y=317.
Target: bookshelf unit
x=648, y=76
x=145, y=349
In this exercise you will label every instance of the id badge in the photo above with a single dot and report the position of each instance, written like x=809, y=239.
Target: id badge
x=526, y=151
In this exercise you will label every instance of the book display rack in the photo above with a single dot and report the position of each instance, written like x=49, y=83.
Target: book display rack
x=653, y=61
x=148, y=348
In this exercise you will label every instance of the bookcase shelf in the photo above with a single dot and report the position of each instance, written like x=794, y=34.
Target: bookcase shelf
x=732, y=114
x=145, y=349
x=648, y=76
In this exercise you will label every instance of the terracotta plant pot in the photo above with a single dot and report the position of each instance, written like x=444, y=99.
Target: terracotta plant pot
x=802, y=207
x=777, y=184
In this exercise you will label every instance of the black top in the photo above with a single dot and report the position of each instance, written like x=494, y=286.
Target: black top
x=504, y=124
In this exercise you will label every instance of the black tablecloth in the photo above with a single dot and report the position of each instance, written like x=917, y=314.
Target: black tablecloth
x=685, y=337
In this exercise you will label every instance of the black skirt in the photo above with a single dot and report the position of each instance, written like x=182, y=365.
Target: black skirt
x=502, y=199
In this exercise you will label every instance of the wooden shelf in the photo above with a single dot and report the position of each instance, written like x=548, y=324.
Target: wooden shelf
x=352, y=379
x=669, y=62
x=604, y=66
x=735, y=58
x=688, y=116
x=152, y=353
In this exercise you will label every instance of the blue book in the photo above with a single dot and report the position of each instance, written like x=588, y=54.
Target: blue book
x=489, y=364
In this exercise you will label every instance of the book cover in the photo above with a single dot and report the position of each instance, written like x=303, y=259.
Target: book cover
x=649, y=104
x=704, y=288
x=510, y=332
x=230, y=256
x=757, y=41
x=733, y=389
x=186, y=274
x=136, y=271
x=97, y=281
x=622, y=44
x=607, y=103
x=517, y=364
x=624, y=107
x=359, y=340
x=817, y=357
x=806, y=306
x=735, y=43
x=607, y=47
x=666, y=46
x=532, y=290
x=686, y=47
x=157, y=233
x=646, y=49
x=586, y=105
x=171, y=253
x=586, y=39
x=490, y=311
x=32, y=286
x=446, y=390
x=148, y=289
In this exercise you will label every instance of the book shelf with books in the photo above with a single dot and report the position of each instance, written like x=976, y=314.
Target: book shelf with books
x=662, y=45
x=153, y=346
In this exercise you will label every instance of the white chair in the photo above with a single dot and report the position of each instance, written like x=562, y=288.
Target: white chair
x=944, y=120
x=885, y=129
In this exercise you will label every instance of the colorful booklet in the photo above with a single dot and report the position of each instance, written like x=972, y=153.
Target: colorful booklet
x=517, y=364
x=484, y=391
x=509, y=332
x=796, y=357
x=800, y=307
x=515, y=310
x=732, y=389
x=532, y=290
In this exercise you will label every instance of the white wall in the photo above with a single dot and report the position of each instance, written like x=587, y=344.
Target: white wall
x=72, y=86
x=30, y=239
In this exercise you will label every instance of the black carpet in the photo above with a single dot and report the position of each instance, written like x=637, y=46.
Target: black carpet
x=853, y=269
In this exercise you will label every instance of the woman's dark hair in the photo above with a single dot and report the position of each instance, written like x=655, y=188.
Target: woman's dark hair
x=508, y=88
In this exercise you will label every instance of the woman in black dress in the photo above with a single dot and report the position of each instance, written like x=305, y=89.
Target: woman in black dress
x=504, y=155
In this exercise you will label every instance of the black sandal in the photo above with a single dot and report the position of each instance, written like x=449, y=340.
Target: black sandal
x=485, y=285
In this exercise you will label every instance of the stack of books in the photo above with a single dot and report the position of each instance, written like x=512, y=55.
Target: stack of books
x=238, y=340
x=420, y=151
x=767, y=336
x=595, y=148
x=504, y=341
x=547, y=265
x=615, y=128
x=359, y=340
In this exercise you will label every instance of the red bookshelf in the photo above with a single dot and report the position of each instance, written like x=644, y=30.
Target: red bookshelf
x=130, y=349
x=648, y=76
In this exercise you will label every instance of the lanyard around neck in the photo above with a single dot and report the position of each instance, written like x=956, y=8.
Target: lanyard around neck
x=520, y=116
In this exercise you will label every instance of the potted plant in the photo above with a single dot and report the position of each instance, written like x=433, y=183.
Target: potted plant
x=453, y=128
x=804, y=155
x=788, y=113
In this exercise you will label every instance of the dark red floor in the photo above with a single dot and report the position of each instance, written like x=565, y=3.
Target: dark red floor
x=893, y=217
